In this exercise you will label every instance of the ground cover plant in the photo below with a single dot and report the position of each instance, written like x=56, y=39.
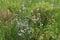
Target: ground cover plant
x=29, y=20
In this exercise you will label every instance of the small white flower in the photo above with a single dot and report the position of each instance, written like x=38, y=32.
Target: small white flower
x=16, y=19
x=23, y=8
x=25, y=29
x=22, y=31
x=20, y=34
x=24, y=23
x=41, y=25
x=29, y=31
x=18, y=23
x=35, y=19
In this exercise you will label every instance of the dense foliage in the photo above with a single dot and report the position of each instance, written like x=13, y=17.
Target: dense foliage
x=29, y=20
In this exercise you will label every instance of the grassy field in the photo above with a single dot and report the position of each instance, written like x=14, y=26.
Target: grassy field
x=29, y=19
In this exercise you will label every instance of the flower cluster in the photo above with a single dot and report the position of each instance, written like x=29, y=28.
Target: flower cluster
x=24, y=32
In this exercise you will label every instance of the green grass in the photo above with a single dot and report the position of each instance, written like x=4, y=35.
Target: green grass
x=32, y=20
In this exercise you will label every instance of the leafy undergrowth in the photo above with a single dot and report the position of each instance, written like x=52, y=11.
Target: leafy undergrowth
x=29, y=20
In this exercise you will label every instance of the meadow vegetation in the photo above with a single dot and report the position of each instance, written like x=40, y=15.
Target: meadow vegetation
x=29, y=20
